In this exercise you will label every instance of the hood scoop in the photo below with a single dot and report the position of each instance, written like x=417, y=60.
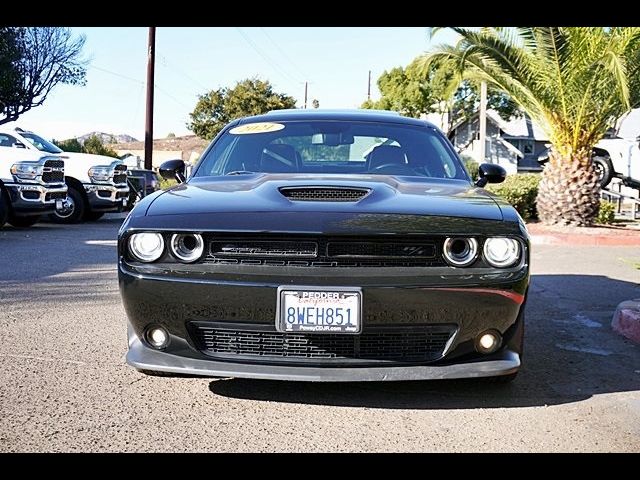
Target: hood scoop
x=324, y=194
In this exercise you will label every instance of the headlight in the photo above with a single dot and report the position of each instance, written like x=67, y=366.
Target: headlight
x=146, y=246
x=26, y=170
x=460, y=251
x=501, y=251
x=187, y=247
x=100, y=173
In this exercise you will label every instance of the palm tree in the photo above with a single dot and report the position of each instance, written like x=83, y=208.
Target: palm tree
x=573, y=81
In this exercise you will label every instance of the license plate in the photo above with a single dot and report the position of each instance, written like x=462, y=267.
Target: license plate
x=124, y=202
x=58, y=204
x=319, y=310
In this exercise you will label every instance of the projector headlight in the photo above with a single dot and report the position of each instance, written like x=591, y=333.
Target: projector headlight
x=100, y=173
x=146, y=246
x=501, y=251
x=26, y=170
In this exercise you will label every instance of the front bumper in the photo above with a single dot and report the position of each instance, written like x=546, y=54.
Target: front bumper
x=106, y=198
x=34, y=199
x=145, y=358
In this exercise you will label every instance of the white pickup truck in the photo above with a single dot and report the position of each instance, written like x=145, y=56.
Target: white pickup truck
x=613, y=157
x=31, y=184
x=96, y=184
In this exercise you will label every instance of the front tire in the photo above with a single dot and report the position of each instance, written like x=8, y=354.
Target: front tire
x=24, y=222
x=73, y=210
x=604, y=168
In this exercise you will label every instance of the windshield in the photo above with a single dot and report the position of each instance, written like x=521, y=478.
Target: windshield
x=40, y=143
x=332, y=147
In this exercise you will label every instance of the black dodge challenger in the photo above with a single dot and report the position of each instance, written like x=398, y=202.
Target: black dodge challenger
x=326, y=246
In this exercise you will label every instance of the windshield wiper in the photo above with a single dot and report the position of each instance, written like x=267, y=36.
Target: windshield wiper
x=240, y=172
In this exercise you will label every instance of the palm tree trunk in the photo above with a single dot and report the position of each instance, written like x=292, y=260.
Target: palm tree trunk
x=569, y=192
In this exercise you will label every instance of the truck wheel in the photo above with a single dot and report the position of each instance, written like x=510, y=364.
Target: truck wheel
x=93, y=216
x=604, y=169
x=73, y=208
x=24, y=222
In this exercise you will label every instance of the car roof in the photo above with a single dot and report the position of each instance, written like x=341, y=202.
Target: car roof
x=361, y=115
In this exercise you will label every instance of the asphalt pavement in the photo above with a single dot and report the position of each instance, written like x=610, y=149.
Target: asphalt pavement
x=65, y=385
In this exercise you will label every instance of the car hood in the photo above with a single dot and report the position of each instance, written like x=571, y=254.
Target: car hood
x=388, y=195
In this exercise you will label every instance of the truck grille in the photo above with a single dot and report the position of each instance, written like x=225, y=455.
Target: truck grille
x=423, y=343
x=324, y=194
x=53, y=176
x=120, y=174
x=323, y=252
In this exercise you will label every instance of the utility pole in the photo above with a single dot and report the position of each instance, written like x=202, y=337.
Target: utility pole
x=483, y=121
x=148, y=131
x=369, y=87
x=306, y=84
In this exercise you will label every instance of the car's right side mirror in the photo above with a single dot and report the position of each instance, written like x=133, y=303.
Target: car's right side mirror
x=19, y=144
x=173, y=170
x=490, y=173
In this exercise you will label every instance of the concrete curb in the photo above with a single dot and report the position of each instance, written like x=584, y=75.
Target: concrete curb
x=594, y=236
x=626, y=320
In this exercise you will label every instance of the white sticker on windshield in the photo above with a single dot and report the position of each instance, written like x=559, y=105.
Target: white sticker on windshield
x=262, y=127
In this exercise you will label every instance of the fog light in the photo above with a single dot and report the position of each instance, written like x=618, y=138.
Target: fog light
x=157, y=337
x=488, y=342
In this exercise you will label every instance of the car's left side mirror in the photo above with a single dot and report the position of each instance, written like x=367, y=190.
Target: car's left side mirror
x=173, y=170
x=490, y=173
x=19, y=144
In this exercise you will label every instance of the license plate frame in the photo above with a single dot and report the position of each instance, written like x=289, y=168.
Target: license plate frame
x=350, y=295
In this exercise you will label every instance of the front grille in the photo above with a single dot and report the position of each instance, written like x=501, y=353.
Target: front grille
x=324, y=194
x=316, y=251
x=55, y=176
x=255, y=248
x=122, y=194
x=54, y=163
x=104, y=193
x=423, y=343
x=55, y=196
x=120, y=174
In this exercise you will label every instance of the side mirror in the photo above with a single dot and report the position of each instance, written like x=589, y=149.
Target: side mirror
x=19, y=144
x=490, y=173
x=173, y=170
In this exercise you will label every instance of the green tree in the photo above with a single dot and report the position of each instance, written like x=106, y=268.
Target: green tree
x=70, y=145
x=94, y=145
x=248, y=97
x=33, y=60
x=573, y=81
x=415, y=90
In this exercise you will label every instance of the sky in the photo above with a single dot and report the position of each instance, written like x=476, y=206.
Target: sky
x=191, y=61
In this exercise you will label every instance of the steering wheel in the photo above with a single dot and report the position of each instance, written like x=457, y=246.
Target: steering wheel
x=394, y=169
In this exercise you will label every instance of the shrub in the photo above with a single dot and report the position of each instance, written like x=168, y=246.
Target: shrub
x=166, y=184
x=607, y=213
x=520, y=191
x=471, y=165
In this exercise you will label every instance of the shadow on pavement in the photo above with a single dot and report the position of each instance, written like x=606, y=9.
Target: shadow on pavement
x=571, y=354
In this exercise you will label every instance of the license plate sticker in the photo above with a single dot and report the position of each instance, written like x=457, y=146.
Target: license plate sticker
x=319, y=310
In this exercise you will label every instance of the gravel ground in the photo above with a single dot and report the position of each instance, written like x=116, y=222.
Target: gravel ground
x=65, y=386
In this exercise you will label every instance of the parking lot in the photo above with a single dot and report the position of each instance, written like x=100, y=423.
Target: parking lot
x=66, y=387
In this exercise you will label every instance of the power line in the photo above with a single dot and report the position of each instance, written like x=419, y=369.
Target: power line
x=181, y=72
x=284, y=54
x=264, y=56
x=117, y=74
